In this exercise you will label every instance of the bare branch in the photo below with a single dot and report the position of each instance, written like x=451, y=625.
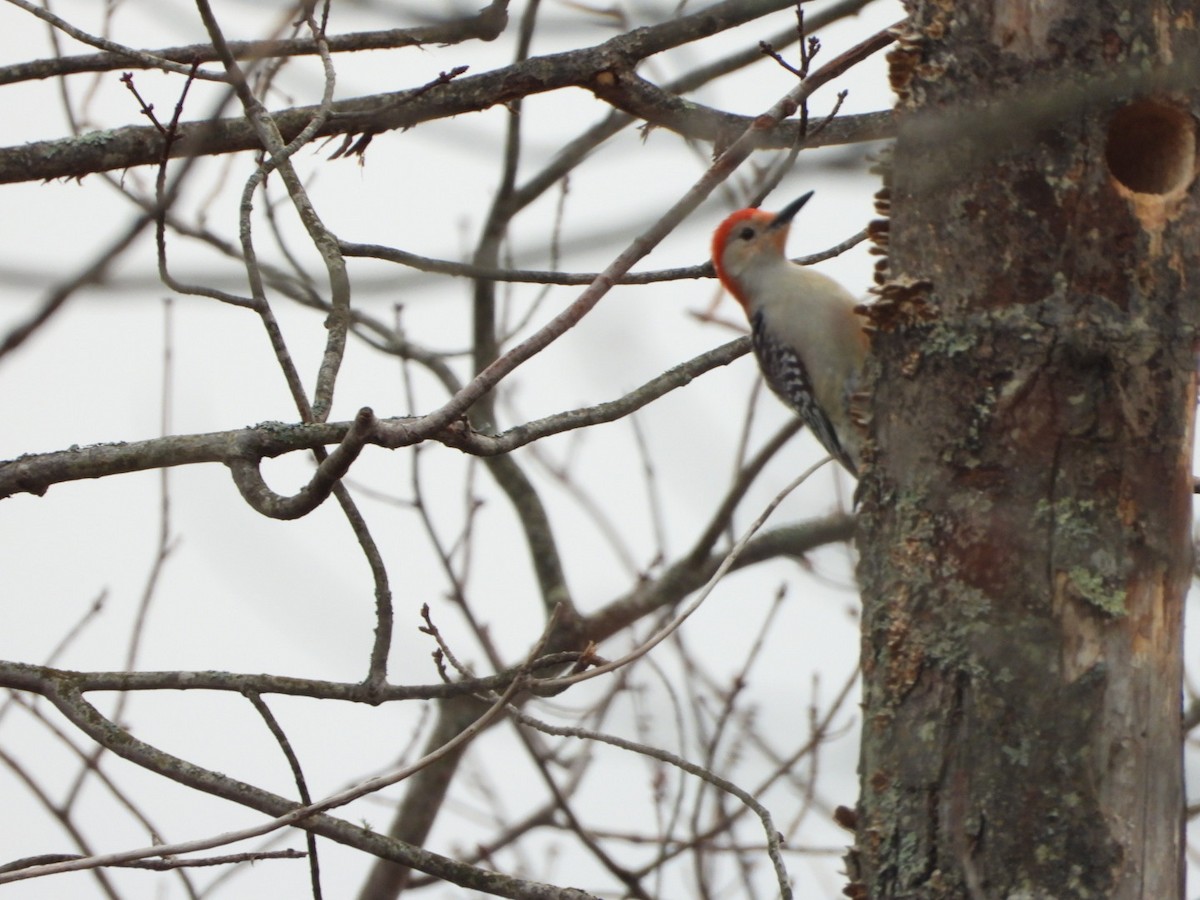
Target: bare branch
x=249, y=480
x=598, y=68
x=34, y=473
x=487, y=25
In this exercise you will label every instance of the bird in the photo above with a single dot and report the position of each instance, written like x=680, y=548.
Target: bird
x=807, y=336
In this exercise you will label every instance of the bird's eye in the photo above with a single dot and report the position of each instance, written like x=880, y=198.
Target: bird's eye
x=746, y=233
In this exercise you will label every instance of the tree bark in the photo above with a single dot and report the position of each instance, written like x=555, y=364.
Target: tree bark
x=1026, y=516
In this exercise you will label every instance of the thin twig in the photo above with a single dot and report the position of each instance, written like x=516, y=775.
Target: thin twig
x=663, y=633
x=68, y=699
x=314, y=865
x=764, y=815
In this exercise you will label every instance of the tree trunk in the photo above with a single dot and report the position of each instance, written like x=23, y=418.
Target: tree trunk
x=1026, y=518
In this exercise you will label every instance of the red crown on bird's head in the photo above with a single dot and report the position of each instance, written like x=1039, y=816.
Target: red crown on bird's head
x=720, y=241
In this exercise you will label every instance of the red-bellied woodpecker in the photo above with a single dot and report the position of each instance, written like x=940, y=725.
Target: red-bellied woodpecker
x=808, y=339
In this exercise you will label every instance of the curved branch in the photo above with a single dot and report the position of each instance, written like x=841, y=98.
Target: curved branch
x=247, y=474
x=34, y=473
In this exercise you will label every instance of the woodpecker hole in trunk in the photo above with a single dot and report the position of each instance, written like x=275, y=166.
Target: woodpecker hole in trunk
x=1151, y=147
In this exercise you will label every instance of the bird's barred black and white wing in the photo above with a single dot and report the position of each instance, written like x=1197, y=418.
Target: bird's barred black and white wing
x=787, y=376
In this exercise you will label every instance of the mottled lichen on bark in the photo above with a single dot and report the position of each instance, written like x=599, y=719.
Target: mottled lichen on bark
x=1025, y=513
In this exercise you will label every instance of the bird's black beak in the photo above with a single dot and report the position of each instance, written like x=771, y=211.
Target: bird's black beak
x=785, y=216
